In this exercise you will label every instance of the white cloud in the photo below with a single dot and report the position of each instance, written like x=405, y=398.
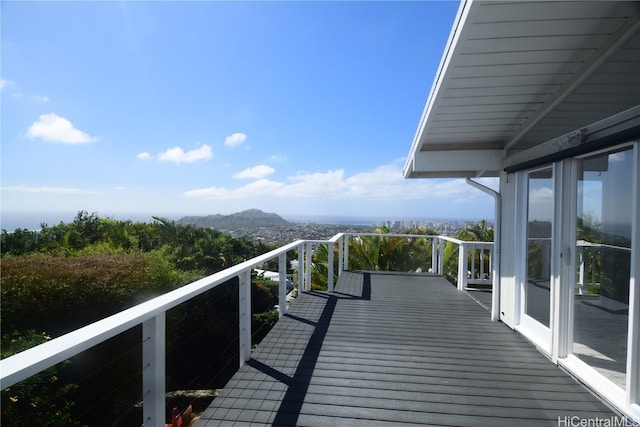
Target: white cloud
x=45, y=189
x=541, y=195
x=12, y=89
x=329, y=184
x=256, y=172
x=6, y=84
x=384, y=183
x=52, y=127
x=235, y=139
x=277, y=158
x=144, y=155
x=178, y=155
x=40, y=99
x=541, y=204
x=618, y=157
x=254, y=189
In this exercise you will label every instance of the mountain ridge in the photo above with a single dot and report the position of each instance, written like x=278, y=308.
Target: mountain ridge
x=249, y=218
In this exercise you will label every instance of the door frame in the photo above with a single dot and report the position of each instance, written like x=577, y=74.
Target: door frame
x=535, y=331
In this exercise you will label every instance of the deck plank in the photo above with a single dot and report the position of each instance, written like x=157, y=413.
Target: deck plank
x=397, y=349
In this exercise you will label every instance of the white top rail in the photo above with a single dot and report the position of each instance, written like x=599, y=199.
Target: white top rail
x=424, y=236
x=585, y=243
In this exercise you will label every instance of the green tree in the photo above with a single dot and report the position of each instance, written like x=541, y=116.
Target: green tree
x=477, y=232
x=19, y=242
x=320, y=267
x=384, y=252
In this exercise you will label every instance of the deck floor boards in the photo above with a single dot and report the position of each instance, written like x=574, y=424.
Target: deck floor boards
x=397, y=349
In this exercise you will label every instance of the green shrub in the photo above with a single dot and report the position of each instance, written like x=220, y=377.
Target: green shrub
x=261, y=325
x=60, y=294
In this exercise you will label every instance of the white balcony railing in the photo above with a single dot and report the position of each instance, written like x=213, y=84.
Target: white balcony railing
x=589, y=263
x=474, y=261
x=151, y=314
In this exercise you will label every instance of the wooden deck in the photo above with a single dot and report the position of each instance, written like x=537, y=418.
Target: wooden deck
x=397, y=349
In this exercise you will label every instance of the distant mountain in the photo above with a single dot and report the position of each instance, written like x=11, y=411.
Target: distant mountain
x=251, y=218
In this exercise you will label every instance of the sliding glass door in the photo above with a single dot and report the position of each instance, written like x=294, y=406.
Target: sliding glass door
x=603, y=262
x=578, y=272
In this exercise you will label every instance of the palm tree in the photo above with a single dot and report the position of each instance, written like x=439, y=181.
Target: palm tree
x=320, y=267
x=389, y=253
x=477, y=232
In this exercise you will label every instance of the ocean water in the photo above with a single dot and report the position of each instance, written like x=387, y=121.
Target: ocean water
x=32, y=220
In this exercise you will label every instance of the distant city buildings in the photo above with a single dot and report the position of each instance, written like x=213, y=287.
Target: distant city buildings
x=291, y=232
x=444, y=227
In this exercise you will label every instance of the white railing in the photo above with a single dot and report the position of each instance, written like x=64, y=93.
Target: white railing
x=589, y=263
x=469, y=271
x=151, y=314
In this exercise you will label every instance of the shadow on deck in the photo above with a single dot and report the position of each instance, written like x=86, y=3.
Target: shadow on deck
x=390, y=349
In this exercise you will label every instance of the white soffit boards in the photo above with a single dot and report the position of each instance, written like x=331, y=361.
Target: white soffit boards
x=517, y=74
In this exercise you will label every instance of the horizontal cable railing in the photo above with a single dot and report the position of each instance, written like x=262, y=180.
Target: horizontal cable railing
x=151, y=315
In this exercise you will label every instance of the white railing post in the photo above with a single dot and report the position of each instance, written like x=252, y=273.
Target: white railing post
x=472, y=252
x=307, y=267
x=340, y=254
x=595, y=253
x=462, y=266
x=581, y=263
x=330, y=248
x=153, y=370
x=346, y=252
x=546, y=258
x=434, y=255
x=244, y=279
x=282, y=289
x=491, y=263
x=441, y=245
x=301, y=267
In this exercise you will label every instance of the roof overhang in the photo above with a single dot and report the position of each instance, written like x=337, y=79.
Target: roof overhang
x=516, y=75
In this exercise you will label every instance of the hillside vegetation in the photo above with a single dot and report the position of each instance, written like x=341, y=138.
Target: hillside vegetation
x=71, y=274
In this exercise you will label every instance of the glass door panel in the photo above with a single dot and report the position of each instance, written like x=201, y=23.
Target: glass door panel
x=537, y=291
x=603, y=248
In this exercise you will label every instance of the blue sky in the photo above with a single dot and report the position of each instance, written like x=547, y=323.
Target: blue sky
x=193, y=108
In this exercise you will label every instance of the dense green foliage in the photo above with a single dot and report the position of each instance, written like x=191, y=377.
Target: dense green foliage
x=188, y=247
x=380, y=252
x=64, y=293
x=71, y=274
x=391, y=253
